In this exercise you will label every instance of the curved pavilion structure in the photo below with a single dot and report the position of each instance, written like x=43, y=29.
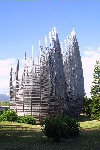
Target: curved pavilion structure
x=51, y=86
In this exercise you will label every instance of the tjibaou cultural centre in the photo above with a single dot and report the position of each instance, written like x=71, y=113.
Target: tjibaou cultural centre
x=53, y=84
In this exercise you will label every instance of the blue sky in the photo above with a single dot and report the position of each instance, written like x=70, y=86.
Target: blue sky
x=23, y=23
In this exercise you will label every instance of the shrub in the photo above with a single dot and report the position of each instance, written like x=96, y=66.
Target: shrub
x=61, y=127
x=1, y=112
x=21, y=119
x=30, y=120
x=26, y=119
x=1, y=117
x=8, y=115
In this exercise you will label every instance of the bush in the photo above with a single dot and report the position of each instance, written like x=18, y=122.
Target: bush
x=61, y=127
x=1, y=117
x=1, y=112
x=21, y=119
x=8, y=115
x=26, y=119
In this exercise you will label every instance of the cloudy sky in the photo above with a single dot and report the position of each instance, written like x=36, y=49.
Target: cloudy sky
x=23, y=23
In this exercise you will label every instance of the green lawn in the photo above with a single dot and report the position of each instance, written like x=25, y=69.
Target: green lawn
x=16, y=136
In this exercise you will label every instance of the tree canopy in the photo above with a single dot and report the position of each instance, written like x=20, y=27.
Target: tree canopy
x=95, y=92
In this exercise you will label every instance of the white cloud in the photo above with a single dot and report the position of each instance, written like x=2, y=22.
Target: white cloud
x=88, y=62
x=5, y=66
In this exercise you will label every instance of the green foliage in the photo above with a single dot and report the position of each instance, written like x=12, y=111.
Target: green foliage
x=1, y=117
x=61, y=127
x=4, y=103
x=95, y=107
x=1, y=112
x=21, y=119
x=95, y=92
x=87, y=106
x=8, y=115
x=26, y=119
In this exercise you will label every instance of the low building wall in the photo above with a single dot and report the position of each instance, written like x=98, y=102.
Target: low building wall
x=2, y=108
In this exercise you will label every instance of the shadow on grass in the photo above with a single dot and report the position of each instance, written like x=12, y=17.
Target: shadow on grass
x=20, y=134
x=32, y=139
x=21, y=139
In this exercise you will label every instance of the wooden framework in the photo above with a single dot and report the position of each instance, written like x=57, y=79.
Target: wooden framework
x=54, y=85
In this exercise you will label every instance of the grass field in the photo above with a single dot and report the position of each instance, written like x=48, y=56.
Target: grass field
x=16, y=136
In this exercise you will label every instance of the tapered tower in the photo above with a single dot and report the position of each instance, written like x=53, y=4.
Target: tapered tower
x=57, y=76
x=74, y=75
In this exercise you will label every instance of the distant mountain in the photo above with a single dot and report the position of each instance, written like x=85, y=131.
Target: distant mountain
x=4, y=98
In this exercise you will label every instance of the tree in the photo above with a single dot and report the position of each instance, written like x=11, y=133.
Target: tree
x=95, y=107
x=87, y=106
x=95, y=92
